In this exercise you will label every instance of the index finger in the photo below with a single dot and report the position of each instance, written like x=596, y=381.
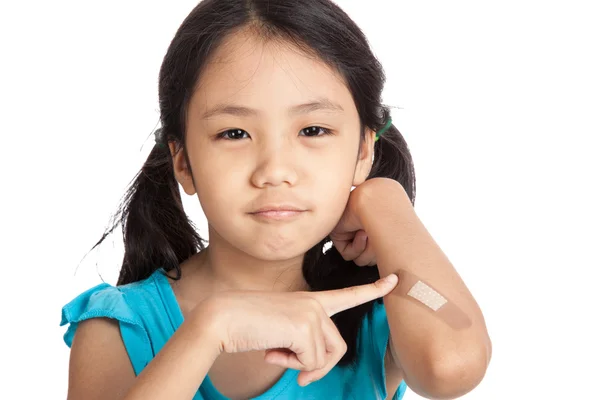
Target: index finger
x=335, y=301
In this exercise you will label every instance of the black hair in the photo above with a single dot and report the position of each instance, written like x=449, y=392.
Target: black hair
x=157, y=233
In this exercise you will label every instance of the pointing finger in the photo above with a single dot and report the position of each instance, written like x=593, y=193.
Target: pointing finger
x=335, y=301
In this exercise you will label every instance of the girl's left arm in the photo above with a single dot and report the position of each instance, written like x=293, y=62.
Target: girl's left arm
x=437, y=360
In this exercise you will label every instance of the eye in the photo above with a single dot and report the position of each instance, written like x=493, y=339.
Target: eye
x=231, y=134
x=314, y=130
x=311, y=131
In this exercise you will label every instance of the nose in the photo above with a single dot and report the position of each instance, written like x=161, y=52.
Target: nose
x=275, y=164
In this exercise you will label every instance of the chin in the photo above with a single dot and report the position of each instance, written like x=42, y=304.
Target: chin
x=270, y=250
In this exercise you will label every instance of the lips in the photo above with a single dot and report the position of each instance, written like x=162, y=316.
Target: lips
x=274, y=208
x=278, y=212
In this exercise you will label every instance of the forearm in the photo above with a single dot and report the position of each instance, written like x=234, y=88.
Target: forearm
x=434, y=354
x=179, y=367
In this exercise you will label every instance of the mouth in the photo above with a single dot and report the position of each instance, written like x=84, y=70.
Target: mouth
x=278, y=212
x=278, y=207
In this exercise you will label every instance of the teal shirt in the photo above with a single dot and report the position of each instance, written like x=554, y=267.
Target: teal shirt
x=148, y=315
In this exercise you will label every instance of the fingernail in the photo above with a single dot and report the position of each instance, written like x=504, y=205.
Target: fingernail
x=391, y=278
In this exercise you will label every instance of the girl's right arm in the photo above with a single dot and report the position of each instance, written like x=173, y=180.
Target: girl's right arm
x=100, y=368
x=229, y=322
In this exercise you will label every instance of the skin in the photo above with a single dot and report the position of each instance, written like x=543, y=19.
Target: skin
x=274, y=161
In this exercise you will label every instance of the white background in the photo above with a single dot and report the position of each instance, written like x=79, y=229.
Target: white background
x=499, y=102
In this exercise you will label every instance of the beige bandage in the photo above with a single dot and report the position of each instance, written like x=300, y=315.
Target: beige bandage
x=420, y=292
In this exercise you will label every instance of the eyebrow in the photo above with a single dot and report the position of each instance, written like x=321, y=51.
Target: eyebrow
x=241, y=111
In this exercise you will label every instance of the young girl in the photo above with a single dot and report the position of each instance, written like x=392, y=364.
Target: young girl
x=271, y=114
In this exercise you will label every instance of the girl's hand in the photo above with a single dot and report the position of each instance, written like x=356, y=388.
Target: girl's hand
x=294, y=328
x=349, y=237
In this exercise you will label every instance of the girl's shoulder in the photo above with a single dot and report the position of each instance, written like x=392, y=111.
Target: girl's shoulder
x=138, y=307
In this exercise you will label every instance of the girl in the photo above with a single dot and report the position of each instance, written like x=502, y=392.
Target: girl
x=271, y=114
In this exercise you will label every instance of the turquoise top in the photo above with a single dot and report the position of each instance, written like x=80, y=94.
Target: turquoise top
x=148, y=314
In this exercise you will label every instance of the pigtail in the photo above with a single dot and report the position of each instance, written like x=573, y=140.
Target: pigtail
x=156, y=231
x=393, y=159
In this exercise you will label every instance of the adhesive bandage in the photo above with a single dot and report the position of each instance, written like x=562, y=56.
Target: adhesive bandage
x=421, y=292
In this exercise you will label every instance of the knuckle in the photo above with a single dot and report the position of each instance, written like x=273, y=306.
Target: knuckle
x=361, y=262
x=314, y=310
x=354, y=293
x=311, y=364
x=378, y=284
x=304, y=327
x=311, y=317
x=343, y=347
x=323, y=360
x=313, y=303
x=338, y=354
x=319, y=364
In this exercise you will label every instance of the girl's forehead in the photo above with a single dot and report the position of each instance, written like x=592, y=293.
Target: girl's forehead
x=250, y=70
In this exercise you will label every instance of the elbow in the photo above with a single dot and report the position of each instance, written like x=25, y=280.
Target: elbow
x=456, y=375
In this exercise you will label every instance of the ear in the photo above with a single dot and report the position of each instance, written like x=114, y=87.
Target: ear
x=181, y=170
x=365, y=157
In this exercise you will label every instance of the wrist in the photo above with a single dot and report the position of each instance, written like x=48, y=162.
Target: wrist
x=207, y=325
x=379, y=197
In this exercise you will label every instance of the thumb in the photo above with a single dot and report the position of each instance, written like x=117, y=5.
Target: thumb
x=335, y=301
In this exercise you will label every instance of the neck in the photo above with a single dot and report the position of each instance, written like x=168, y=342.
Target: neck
x=229, y=268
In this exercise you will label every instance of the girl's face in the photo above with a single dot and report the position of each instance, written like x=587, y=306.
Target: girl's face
x=252, y=142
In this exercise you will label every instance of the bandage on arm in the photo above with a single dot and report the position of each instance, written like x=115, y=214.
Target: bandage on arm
x=422, y=293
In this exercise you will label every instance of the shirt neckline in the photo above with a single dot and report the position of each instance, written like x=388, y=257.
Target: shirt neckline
x=176, y=317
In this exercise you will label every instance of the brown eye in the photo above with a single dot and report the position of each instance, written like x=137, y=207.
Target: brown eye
x=231, y=134
x=314, y=131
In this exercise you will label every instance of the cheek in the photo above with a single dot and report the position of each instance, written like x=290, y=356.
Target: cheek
x=332, y=188
x=331, y=198
x=216, y=193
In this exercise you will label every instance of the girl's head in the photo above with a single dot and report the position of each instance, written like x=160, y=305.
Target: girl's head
x=269, y=123
x=263, y=102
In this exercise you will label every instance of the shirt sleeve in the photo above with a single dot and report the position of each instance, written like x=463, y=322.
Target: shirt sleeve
x=373, y=340
x=108, y=301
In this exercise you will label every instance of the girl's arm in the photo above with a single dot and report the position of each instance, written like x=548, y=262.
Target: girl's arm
x=231, y=322
x=98, y=356
x=437, y=360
